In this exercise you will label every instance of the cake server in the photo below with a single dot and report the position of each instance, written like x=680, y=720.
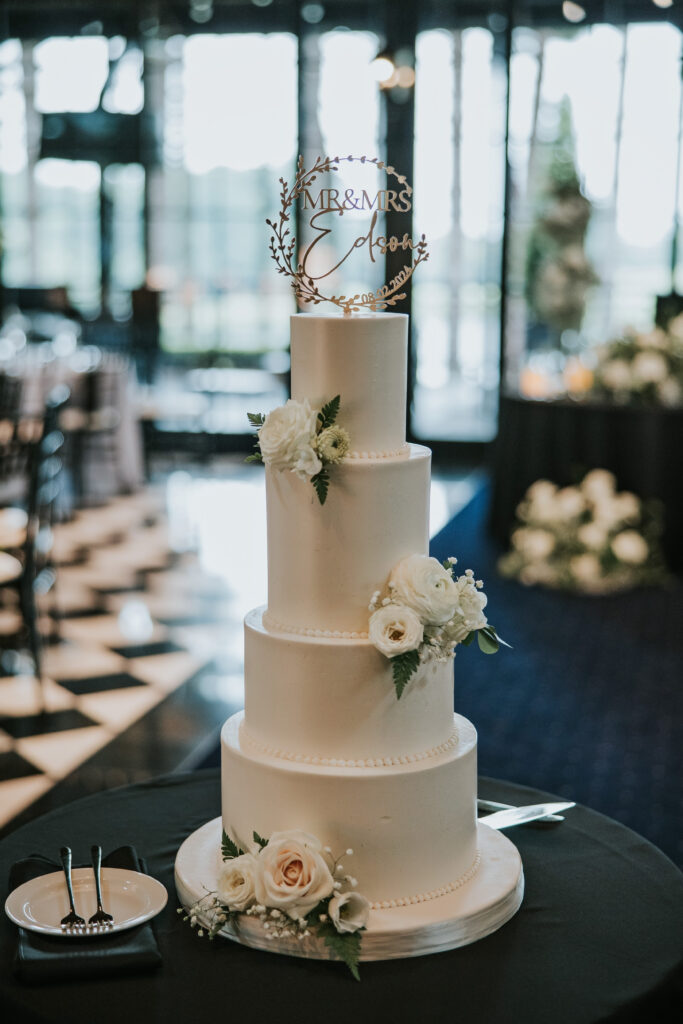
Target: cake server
x=520, y=815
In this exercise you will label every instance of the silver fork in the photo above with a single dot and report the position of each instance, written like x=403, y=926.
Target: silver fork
x=100, y=920
x=72, y=921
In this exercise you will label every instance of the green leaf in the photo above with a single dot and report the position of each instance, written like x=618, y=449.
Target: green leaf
x=254, y=457
x=321, y=482
x=229, y=850
x=259, y=840
x=344, y=945
x=488, y=640
x=403, y=667
x=257, y=419
x=491, y=631
x=469, y=638
x=328, y=413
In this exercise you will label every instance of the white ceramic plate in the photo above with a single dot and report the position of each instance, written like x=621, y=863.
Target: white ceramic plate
x=129, y=896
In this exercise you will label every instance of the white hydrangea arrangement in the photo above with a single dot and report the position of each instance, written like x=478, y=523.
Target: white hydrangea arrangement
x=303, y=440
x=293, y=886
x=588, y=538
x=425, y=612
x=642, y=367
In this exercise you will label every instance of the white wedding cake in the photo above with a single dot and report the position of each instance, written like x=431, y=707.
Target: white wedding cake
x=329, y=747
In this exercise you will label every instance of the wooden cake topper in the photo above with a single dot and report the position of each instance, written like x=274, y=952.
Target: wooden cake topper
x=329, y=201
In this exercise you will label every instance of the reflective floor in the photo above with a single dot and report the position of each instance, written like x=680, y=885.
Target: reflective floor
x=152, y=590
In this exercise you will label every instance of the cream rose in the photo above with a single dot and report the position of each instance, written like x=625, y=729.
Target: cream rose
x=395, y=629
x=597, y=484
x=535, y=544
x=287, y=438
x=349, y=911
x=630, y=547
x=650, y=367
x=585, y=568
x=236, y=881
x=424, y=585
x=616, y=375
x=592, y=535
x=293, y=874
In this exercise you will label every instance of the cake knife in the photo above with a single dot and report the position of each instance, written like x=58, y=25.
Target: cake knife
x=520, y=815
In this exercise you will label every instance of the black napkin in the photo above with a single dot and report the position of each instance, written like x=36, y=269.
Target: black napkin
x=43, y=958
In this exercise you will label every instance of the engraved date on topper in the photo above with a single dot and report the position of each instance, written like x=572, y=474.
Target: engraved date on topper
x=283, y=243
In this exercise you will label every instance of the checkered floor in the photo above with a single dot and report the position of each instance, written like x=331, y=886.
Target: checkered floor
x=137, y=622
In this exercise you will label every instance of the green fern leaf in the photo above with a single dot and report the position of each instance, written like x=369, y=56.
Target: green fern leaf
x=321, y=482
x=257, y=419
x=259, y=840
x=328, y=413
x=229, y=850
x=254, y=457
x=344, y=945
x=404, y=667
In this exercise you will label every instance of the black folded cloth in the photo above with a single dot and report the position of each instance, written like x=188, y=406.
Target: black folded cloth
x=43, y=958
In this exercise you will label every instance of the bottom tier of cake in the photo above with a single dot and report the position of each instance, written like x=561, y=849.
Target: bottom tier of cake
x=477, y=908
x=412, y=827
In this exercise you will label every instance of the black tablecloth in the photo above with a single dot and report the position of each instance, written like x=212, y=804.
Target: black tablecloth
x=598, y=937
x=561, y=441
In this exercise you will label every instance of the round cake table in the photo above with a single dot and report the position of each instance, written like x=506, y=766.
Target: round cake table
x=598, y=936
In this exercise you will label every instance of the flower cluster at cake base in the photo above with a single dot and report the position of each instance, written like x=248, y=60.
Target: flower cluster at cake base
x=425, y=612
x=293, y=886
x=303, y=440
x=588, y=538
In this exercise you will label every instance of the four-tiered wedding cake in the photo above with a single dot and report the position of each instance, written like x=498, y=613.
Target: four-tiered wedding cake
x=329, y=753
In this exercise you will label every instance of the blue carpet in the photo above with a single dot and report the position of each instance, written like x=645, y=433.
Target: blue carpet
x=588, y=704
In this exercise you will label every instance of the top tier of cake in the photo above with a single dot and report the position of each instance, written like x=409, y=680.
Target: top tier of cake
x=364, y=359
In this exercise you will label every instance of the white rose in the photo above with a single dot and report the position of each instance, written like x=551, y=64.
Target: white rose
x=598, y=483
x=287, y=437
x=236, y=881
x=424, y=585
x=592, y=535
x=570, y=502
x=616, y=375
x=293, y=874
x=650, y=367
x=585, y=568
x=669, y=391
x=349, y=911
x=535, y=544
x=471, y=603
x=630, y=547
x=395, y=629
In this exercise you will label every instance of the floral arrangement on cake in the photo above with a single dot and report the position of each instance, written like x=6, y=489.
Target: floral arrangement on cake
x=425, y=612
x=588, y=538
x=303, y=440
x=642, y=367
x=293, y=886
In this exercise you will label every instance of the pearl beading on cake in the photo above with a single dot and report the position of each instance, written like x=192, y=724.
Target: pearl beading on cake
x=326, y=634
x=433, y=894
x=361, y=762
x=394, y=453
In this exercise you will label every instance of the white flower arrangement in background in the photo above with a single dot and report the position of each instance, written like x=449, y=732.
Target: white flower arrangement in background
x=425, y=613
x=303, y=440
x=293, y=886
x=588, y=538
x=642, y=367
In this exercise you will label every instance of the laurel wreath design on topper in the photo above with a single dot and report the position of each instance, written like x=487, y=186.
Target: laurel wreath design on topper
x=283, y=243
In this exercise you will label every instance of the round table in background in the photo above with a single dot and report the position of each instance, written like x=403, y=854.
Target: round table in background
x=599, y=936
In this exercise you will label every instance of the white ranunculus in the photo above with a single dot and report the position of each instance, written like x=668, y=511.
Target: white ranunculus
x=349, y=911
x=287, y=438
x=293, y=874
x=592, y=535
x=395, y=629
x=585, y=568
x=650, y=367
x=471, y=603
x=422, y=583
x=616, y=375
x=597, y=484
x=571, y=502
x=630, y=547
x=236, y=880
x=535, y=544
